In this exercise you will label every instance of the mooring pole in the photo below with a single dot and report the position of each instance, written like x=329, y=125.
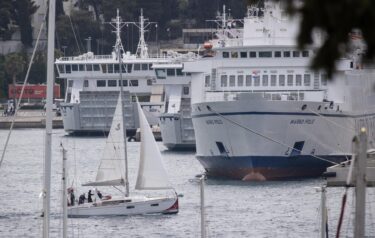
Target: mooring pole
x=361, y=183
x=203, y=220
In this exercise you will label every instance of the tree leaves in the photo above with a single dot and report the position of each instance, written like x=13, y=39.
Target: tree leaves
x=5, y=19
x=23, y=10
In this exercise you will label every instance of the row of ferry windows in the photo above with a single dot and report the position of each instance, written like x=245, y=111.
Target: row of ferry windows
x=266, y=80
x=112, y=83
x=105, y=68
x=265, y=54
x=163, y=73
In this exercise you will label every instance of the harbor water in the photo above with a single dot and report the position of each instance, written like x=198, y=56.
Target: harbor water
x=233, y=208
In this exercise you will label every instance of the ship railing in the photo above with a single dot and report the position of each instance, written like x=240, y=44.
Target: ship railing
x=221, y=42
x=264, y=40
x=288, y=95
x=84, y=57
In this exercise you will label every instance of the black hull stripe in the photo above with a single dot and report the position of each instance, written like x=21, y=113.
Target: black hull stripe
x=282, y=114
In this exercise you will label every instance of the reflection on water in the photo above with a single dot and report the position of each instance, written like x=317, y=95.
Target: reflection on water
x=234, y=208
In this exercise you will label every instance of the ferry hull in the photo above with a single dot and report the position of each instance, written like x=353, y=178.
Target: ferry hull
x=177, y=132
x=268, y=140
x=262, y=168
x=93, y=114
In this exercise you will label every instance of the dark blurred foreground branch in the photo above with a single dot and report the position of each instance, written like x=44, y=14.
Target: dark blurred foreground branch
x=336, y=19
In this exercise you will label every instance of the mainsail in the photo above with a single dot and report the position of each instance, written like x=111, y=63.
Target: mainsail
x=111, y=170
x=151, y=172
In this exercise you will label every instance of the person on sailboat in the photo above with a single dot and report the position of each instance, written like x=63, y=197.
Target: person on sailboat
x=81, y=199
x=99, y=194
x=72, y=198
x=89, y=198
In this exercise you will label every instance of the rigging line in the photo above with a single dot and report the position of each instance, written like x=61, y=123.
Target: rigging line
x=22, y=91
x=349, y=219
x=118, y=190
x=334, y=123
x=350, y=129
x=268, y=138
x=74, y=33
x=343, y=204
x=344, y=197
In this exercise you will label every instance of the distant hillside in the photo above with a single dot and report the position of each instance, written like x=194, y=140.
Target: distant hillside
x=171, y=17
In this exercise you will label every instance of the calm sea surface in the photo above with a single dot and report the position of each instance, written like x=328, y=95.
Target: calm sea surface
x=234, y=208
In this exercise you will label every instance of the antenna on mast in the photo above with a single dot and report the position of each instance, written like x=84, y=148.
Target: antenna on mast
x=118, y=25
x=142, y=25
x=225, y=23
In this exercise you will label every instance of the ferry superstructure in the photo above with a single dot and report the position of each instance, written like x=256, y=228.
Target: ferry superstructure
x=175, y=121
x=176, y=125
x=263, y=114
x=93, y=85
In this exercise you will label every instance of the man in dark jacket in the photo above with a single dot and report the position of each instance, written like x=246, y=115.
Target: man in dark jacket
x=89, y=198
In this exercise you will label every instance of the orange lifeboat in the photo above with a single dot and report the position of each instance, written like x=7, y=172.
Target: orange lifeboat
x=207, y=45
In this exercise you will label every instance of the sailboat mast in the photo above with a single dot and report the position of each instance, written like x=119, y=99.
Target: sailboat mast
x=48, y=137
x=118, y=49
x=142, y=46
x=64, y=196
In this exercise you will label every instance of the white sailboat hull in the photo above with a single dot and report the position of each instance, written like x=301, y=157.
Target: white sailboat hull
x=125, y=207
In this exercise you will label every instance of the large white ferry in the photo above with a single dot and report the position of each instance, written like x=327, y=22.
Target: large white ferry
x=263, y=114
x=93, y=86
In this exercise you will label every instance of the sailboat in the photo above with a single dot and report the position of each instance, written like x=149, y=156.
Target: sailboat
x=112, y=172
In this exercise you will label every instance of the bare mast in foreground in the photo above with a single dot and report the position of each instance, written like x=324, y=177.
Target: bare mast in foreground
x=48, y=140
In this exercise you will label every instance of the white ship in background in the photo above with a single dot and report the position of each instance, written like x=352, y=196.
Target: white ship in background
x=93, y=86
x=175, y=122
x=176, y=126
x=260, y=113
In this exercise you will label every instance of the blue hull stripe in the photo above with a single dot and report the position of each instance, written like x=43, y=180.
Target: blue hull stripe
x=269, y=166
x=302, y=161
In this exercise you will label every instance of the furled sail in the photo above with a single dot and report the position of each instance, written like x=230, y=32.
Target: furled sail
x=151, y=171
x=111, y=170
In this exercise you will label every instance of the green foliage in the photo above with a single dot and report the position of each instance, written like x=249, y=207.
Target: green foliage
x=23, y=10
x=128, y=9
x=3, y=84
x=14, y=66
x=84, y=27
x=96, y=5
x=59, y=8
x=38, y=69
x=5, y=19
